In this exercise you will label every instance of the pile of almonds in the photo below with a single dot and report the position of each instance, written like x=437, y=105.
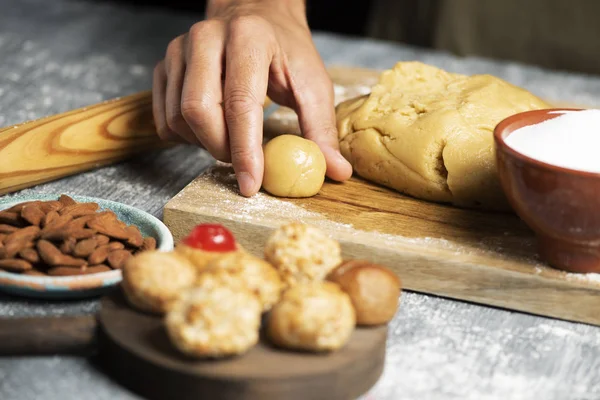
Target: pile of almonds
x=63, y=237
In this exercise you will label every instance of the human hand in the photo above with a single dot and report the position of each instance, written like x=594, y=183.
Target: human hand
x=210, y=88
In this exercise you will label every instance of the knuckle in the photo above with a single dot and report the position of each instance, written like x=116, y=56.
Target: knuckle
x=240, y=102
x=174, y=119
x=195, y=112
x=240, y=154
x=174, y=47
x=163, y=132
x=203, y=28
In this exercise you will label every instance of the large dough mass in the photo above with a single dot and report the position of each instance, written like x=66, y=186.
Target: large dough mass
x=429, y=133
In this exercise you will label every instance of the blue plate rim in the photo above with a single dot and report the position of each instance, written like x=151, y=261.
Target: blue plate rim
x=63, y=283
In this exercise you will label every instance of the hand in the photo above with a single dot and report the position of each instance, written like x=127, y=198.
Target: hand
x=210, y=88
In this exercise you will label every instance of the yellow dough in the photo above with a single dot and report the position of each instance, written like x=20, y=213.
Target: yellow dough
x=429, y=133
x=294, y=167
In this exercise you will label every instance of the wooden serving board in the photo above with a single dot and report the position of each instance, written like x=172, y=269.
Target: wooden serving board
x=134, y=347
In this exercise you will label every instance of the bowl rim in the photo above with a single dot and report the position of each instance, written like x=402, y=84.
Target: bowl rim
x=84, y=282
x=504, y=125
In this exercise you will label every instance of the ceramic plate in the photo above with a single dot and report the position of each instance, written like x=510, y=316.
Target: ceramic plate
x=61, y=287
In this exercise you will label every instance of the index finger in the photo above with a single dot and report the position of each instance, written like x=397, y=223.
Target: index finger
x=247, y=61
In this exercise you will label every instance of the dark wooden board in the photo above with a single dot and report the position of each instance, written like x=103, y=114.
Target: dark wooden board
x=135, y=349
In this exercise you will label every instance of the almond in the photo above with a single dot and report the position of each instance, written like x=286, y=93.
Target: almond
x=118, y=258
x=14, y=265
x=79, y=210
x=47, y=220
x=149, y=244
x=18, y=207
x=80, y=222
x=26, y=234
x=85, y=248
x=12, y=248
x=11, y=218
x=33, y=214
x=109, y=227
x=52, y=205
x=4, y=228
x=30, y=255
x=101, y=253
x=66, y=200
x=102, y=239
x=65, y=233
x=135, y=238
x=59, y=222
x=53, y=256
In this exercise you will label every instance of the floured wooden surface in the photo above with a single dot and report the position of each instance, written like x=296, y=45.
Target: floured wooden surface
x=488, y=258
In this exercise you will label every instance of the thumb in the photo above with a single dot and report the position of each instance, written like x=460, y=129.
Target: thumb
x=315, y=107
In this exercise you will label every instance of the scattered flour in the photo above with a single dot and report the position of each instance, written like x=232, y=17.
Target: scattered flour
x=262, y=206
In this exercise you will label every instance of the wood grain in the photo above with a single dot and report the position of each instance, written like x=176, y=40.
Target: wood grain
x=79, y=140
x=135, y=348
x=483, y=257
x=35, y=336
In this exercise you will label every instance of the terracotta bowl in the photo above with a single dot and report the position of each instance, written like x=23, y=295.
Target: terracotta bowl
x=561, y=205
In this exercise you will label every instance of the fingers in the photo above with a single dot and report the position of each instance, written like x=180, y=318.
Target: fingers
x=175, y=70
x=159, y=87
x=314, y=94
x=202, y=94
x=248, y=56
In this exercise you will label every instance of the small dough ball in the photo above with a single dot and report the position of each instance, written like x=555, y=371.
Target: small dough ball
x=294, y=167
x=373, y=289
x=315, y=316
x=153, y=279
x=302, y=253
x=211, y=320
x=201, y=258
x=253, y=273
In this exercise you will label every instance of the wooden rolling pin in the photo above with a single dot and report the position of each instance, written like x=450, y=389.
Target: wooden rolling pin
x=76, y=141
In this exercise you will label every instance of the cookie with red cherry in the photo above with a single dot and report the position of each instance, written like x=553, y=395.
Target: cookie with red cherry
x=206, y=242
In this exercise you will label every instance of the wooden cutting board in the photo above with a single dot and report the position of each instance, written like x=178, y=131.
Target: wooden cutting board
x=488, y=258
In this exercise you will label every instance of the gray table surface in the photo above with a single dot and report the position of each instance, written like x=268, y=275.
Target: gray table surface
x=62, y=54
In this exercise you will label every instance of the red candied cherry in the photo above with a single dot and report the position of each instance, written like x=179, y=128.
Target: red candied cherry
x=211, y=237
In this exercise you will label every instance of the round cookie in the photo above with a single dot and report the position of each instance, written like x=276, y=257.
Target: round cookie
x=301, y=253
x=294, y=167
x=214, y=320
x=315, y=316
x=201, y=258
x=206, y=242
x=253, y=273
x=153, y=279
x=373, y=289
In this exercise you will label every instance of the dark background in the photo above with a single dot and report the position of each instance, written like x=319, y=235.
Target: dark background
x=338, y=16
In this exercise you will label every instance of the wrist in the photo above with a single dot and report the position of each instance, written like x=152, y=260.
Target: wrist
x=221, y=8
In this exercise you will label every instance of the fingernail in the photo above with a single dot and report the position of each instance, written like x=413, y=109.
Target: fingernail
x=246, y=183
